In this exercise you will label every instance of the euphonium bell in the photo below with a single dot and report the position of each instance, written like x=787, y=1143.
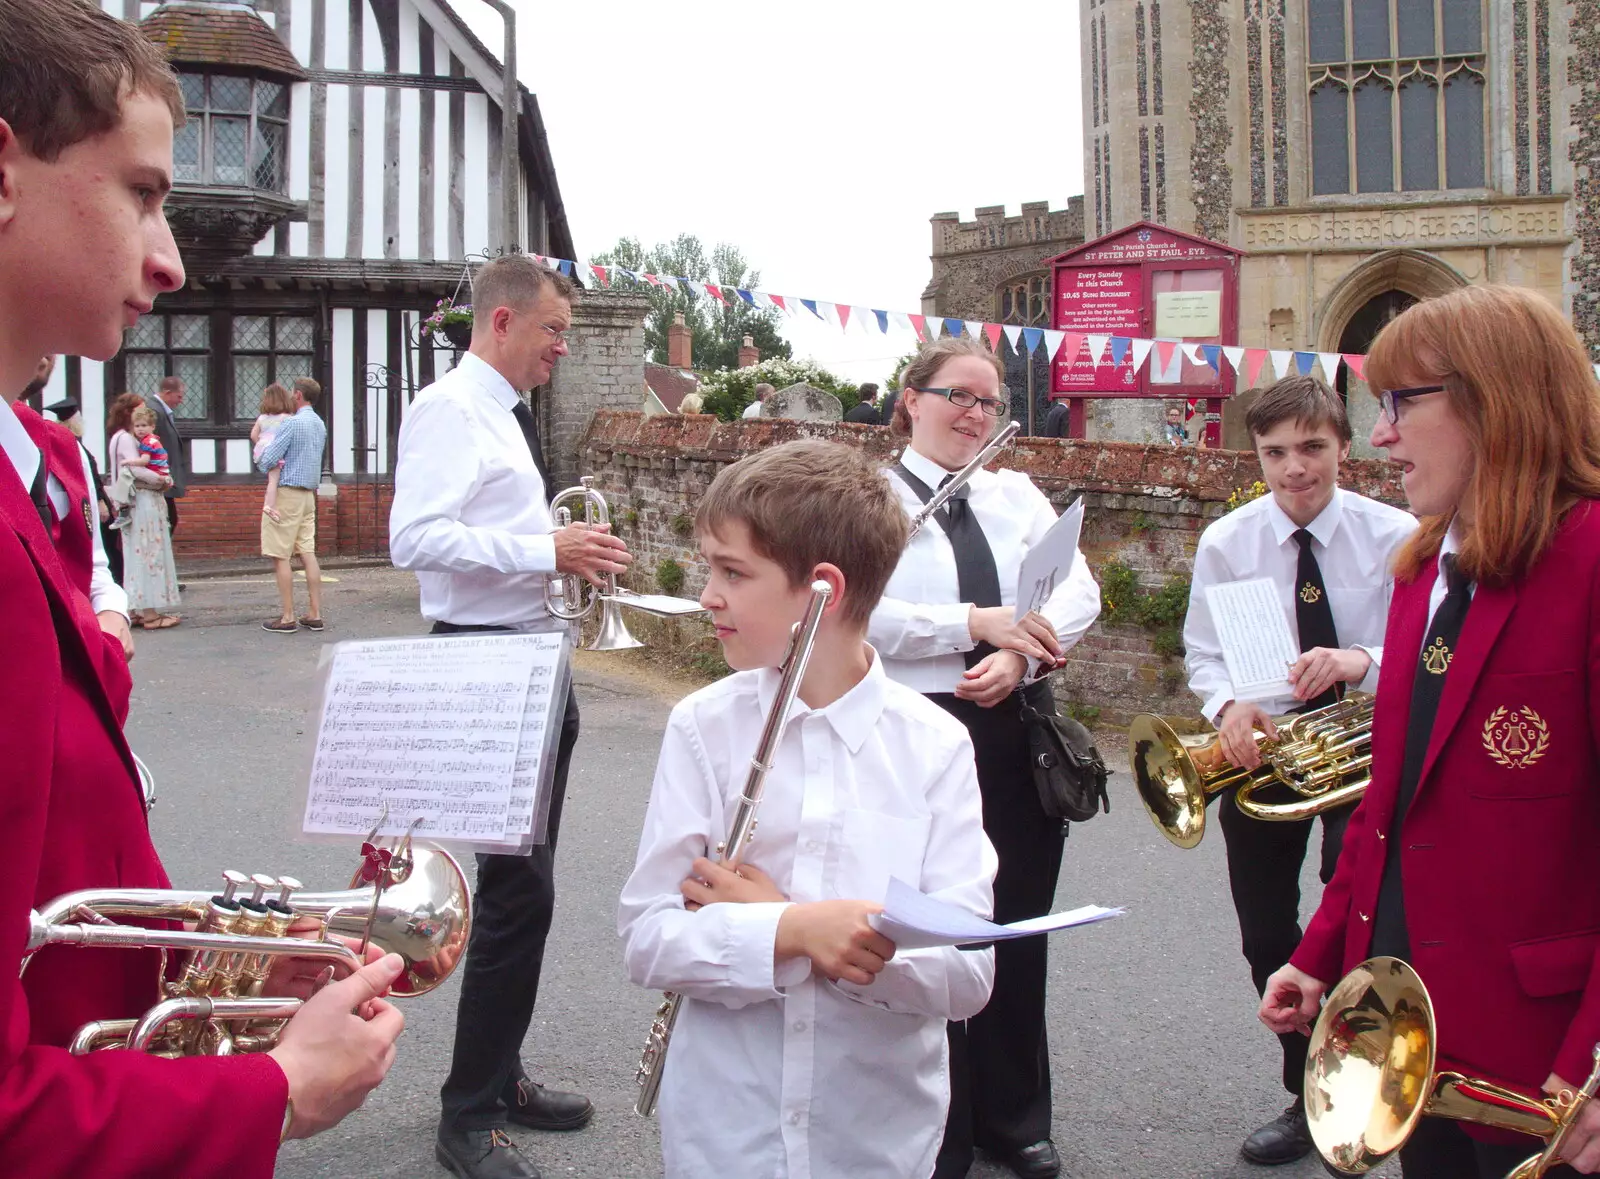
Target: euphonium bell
x=1322, y=757
x=1370, y=1077
x=215, y=1002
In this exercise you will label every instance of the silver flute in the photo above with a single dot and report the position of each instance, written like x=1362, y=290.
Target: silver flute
x=964, y=476
x=801, y=640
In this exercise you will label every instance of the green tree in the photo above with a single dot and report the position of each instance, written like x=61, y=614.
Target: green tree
x=717, y=330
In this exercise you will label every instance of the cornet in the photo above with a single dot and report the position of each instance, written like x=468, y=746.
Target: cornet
x=413, y=901
x=569, y=597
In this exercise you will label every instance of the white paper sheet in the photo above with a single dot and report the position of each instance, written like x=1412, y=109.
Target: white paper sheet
x=434, y=728
x=912, y=920
x=1254, y=632
x=658, y=603
x=1049, y=563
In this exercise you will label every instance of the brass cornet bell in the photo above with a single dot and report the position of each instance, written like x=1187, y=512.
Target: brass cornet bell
x=1321, y=759
x=1370, y=1077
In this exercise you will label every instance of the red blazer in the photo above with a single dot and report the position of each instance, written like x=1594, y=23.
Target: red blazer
x=1501, y=845
x=75, y=542
x=71, y=811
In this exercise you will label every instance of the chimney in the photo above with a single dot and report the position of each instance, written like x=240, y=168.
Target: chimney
x=749, y=356
x=680, y=344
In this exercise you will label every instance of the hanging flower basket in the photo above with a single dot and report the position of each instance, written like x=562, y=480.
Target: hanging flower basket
x=452, y=321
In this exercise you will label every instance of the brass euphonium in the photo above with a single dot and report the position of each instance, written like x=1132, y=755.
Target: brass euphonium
x=1370, y=1078
x=418, y=905
x=1323, y=757
x=568, y=596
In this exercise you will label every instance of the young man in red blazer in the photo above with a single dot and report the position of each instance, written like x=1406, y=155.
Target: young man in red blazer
x=1475, y=854
x=87, y=114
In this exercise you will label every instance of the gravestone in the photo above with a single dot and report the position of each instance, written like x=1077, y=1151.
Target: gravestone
x=804, y=403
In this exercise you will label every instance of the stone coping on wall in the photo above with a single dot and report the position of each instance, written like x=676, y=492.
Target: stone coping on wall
x=1055, y=464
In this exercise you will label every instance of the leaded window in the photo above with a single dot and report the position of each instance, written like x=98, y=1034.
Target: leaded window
x=1396, y=95
x=1026, y=301
x=237, y=134
x=170, y=345
x=267, y=349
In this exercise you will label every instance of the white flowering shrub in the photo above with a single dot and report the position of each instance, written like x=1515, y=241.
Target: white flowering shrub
x=728, y=391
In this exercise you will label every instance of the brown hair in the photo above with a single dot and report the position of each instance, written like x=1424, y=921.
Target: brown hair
x=811, y=502
x=925, y=366
x=515, y=281
x=308, y=389
x=65, y=68
x=1517, y=377
x=276, y=399
x=169, y=383
x=120, y=416
x=143, y=416
x=1306, y=401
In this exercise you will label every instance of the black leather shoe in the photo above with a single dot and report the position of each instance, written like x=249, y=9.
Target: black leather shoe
x=530, y=1104
x=1282, y=1140
x=482, y=1154
x=1039, y=1161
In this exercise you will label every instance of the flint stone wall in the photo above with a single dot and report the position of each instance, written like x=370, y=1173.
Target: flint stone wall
x=1145, y=506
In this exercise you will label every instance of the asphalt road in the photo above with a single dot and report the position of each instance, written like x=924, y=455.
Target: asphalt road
x=1160, y=1067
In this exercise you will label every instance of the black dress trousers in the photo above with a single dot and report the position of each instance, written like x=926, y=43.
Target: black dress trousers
x=511, y=911
x=1000, y=1058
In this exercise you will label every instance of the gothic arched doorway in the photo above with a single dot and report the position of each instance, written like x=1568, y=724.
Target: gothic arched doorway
x=1363, y=327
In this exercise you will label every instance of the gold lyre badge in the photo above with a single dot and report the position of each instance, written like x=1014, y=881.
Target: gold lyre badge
x=1310, y=594
x=1437, y=658
x=1515, y=738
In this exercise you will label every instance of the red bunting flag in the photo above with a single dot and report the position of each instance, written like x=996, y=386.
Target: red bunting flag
x=1357, y=364
x=1070, y=347
x=919, y=325
x=651, y=279
x=600, y=273
x=992, y=331
x=1254, y=358
x=844, y=314
x=778, y=299
x=715, y=292
x=1164, y=351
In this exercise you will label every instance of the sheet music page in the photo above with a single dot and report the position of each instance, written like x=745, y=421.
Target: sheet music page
x=1049, y=562
x=912, y=920
x=1254, y=632
x=429, y=728
x=659, y=604
x=542, y=715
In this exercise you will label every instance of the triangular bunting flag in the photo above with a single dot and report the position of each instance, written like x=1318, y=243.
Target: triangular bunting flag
x=651, y=279
x=827, y=311
x=952, y=327
x=991, y=331
x=1235, y=356
x=716, y=292
x=1141, y=349
x=1053, y=342
x=1254, y=358
x=1303, y=362
x=626, y=273
x=863, y=316
x=778, y=301
x=1119, y=349
x=1192, y=352
x=974, y=329
x=1071, y=346
x=811, y=306
x=698, y=288
x=600, y=273
x=1097, y=349
x=1213, y=356
x=667, y=281
x=843, y=311
x=883, y=319
x=1014, y=334
x=1282, y=361
x=919, y=325
x=901, y=320
x=745, y=295
x=1357, y=364
x=1031, y=336
x=1164, y=351
x=1330, y=366
x=566, y=267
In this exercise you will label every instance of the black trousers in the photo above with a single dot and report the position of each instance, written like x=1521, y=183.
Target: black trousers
x=511, y=911
x=1264, y=861
x=1441, y=1149
x=112, y=543
x=172, y=516
x=1000, y=1058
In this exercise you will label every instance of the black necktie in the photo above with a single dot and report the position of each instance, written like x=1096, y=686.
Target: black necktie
x=1389, y=934
x=977, y=579
x=1313, y=615
x=530, y=433
x=41, y=497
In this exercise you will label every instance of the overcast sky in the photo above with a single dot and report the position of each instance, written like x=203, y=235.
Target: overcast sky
x=817, y=137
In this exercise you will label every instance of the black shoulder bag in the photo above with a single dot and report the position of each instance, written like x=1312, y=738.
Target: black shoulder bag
x=1068, y=771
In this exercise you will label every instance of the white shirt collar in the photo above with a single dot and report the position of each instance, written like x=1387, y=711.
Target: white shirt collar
x=925, y=468
x=18, y=446
x=852, y=716
x=1323, y=528
x=488, y=378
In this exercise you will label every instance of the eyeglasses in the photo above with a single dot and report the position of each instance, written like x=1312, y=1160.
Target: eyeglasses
x=1390, y=399
x=555, y=336
x=966, y=399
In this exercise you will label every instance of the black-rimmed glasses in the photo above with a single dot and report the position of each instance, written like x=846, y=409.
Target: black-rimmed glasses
x=966, y=399
x=1390, y=399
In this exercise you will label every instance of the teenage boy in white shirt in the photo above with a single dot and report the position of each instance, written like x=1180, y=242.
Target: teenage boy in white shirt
x=1330, y=554
x=807, y=1046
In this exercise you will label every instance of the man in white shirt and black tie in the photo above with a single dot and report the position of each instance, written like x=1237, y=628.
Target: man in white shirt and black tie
x=1329, y=554
x=471, y=518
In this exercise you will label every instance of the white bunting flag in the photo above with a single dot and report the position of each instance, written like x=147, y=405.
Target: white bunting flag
x=975, y=329
x=900, y=320
x=1052, y=344
x=1330, y=365
x=1192, y=351
x=868, y=318
x=933, y=325
x=1235, y=357
x=1097, y=348
x=1282, y=362
x=1014, y=334
x=829, y=313
x=1141, y=350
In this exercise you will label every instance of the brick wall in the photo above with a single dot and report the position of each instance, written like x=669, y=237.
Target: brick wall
x=1145, y=506
x=604, y=370
x=221, y=521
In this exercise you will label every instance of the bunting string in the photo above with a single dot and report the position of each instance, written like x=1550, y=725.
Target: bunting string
x=1060, y=345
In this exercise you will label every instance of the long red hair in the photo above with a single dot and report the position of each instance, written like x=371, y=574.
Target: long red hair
x=1519, y=380
x=121, y=415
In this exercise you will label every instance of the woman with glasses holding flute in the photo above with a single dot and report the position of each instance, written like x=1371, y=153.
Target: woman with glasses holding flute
x=946, y=627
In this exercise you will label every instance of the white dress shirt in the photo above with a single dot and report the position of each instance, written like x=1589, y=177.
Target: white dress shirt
x=1354, y=541
x=469, y=515
x=753, y=410
x=920, y=625
x=774, y=1071
x=104, y=593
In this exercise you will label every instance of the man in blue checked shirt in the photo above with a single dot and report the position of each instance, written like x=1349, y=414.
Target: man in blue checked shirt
x=298, y=448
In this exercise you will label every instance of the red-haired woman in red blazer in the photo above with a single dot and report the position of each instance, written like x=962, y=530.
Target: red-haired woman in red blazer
x=1475, y=855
